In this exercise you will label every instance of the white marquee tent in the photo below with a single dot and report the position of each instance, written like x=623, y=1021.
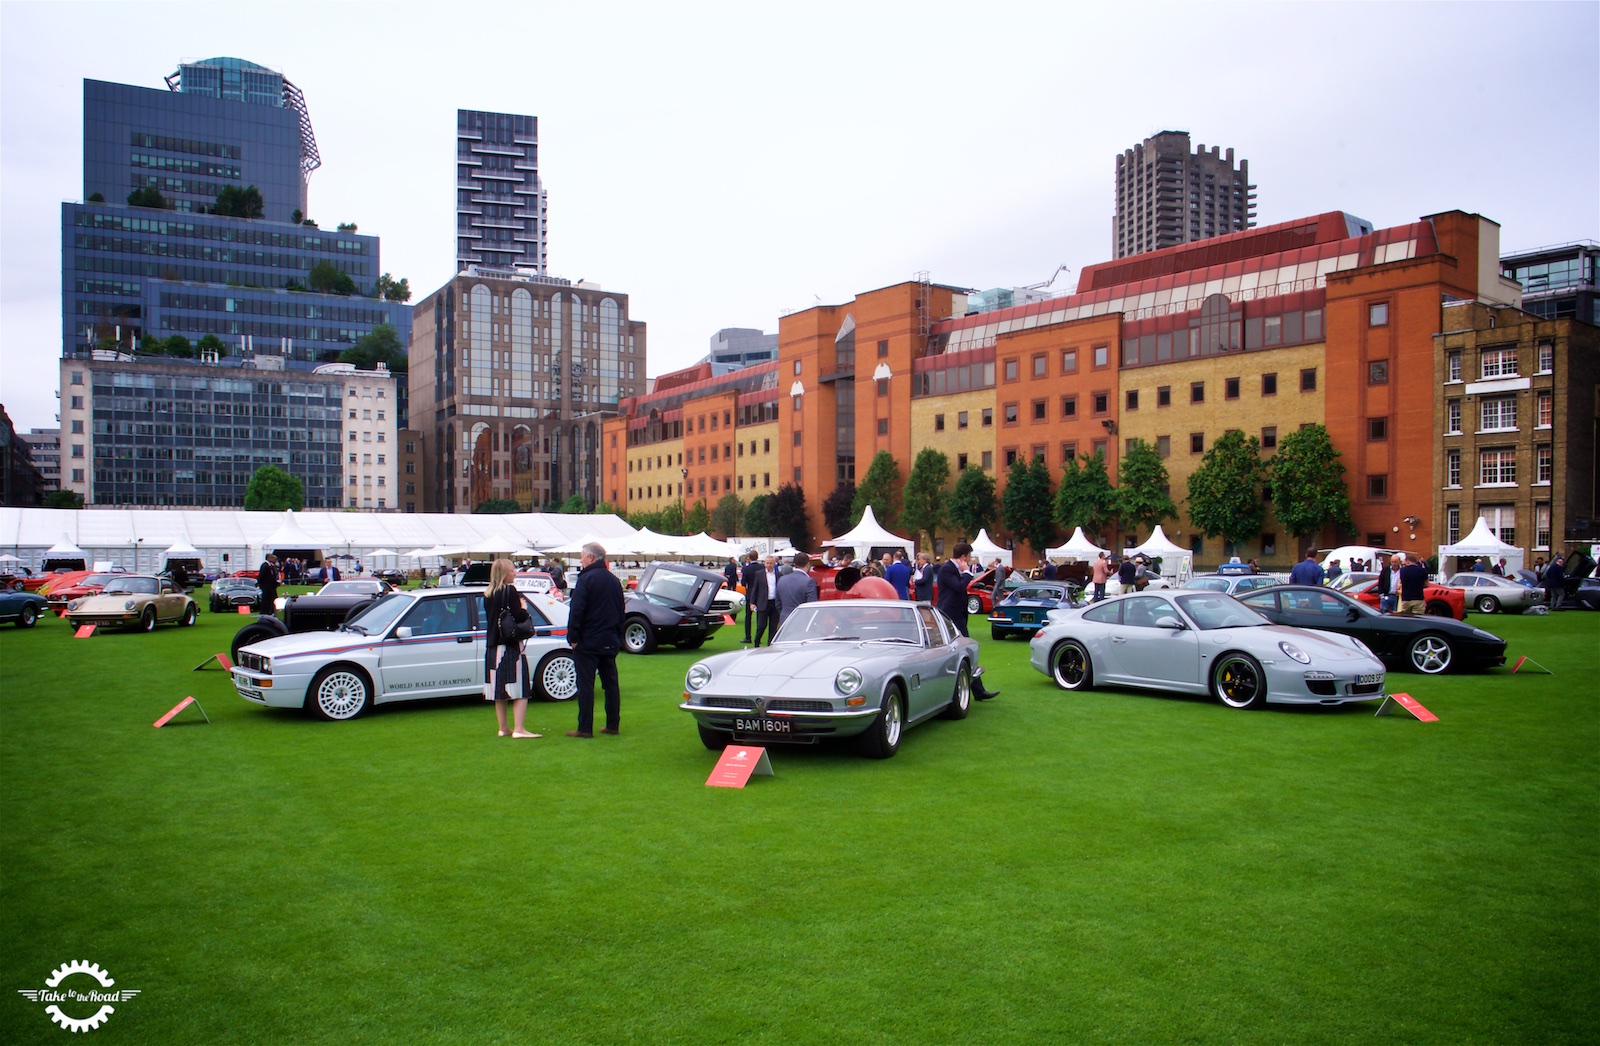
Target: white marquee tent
x=870, y=534
x=985, y=551
x=1076, y=547
x=1176, y=561
x=229, y=539
x=1482, y=542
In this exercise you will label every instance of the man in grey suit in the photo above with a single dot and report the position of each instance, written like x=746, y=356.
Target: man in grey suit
x=795, y=587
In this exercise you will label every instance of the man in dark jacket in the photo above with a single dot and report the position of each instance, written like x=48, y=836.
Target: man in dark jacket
x=1555, y=580
x=1128, y=573
x=760, y=597
x=594, y=631
x=795, y=587
x=1413, y=579
x=747, y=578
x=267, y=582
x=951, y=599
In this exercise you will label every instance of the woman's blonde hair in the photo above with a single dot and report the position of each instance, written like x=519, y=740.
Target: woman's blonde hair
x=501, y=574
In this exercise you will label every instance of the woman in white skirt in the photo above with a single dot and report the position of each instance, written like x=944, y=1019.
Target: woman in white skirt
x=505, y=669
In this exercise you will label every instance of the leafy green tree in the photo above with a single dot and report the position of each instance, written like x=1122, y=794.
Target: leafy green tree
x=346, y=227
x=728, y=516
x=296, y=216
x=1308, y=488
x=698, y=518
x=1085, y=497
x=381, y=344
x=606, y=508
x=149, y=196
x=178, y=346
x=328, y=279
x=212, y=343
x=880, y=488
x=63, y=499
x=755, y=515
x=786, y=515
x=923, y=511
x=390, y=290
x=272, y=490
x=575, y=505
x=972, y=505
x=1029, y=503
x=497, y=506
x=1142, y=498
x=95, y=197
x=670, y=519
x=1225, y=490
x=235, y=202
x=836, y=509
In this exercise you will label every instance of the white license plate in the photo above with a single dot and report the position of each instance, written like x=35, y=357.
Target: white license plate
x=763, y=726
x=1370, y=677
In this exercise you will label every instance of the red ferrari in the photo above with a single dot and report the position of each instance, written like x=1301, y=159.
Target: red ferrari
x=1443, y=601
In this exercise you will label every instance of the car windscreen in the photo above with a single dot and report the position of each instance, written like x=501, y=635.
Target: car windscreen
x=672, y=586
x=840, y=621
x=146, y=586
x=1210, y=610
x=351, y=588
x=379, y=615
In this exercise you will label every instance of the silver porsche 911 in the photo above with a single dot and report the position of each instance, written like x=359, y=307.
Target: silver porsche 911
x=1203, y=642
x=865, y=668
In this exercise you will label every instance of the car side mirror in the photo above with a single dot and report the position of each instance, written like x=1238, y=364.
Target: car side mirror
x=1353, y=614
x=403, y=632
x=1170, y=622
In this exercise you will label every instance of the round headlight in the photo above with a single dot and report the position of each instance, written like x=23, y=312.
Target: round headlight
x=74, y=604
x=1295, y=652
x=699, y=676
x=129, y=605
x=848, y=681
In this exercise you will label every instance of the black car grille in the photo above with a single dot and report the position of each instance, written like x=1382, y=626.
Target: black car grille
x=1366, y=688
x=799, y=706
x=729, y=702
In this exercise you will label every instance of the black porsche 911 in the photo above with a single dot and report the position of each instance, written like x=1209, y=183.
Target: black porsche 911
x=1427, y=644
x=671, y=604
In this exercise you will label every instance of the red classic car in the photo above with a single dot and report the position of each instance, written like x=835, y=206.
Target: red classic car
x=1442, y=600
x=90, y=584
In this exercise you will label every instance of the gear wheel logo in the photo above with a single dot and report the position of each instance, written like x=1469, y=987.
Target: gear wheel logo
x=67, y=985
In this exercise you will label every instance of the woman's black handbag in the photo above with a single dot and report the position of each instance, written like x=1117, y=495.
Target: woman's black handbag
x=513, y=630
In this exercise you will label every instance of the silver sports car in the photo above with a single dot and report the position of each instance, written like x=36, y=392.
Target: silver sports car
x=1203, y=642
x=866, y=668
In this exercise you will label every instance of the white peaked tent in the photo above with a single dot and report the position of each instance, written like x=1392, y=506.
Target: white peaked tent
x=183, y=552
x=985, y=551
x=870, y=534
x=1482, y=542
x=1176, y=561
x=1076, y=547
x=290, y=535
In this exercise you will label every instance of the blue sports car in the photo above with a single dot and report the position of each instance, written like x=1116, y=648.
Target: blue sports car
x=1027, y=609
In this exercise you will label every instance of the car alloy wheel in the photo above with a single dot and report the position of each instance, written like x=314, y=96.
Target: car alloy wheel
x=882, y=739
x=974, y=605
x=28, y=616
x=961, y=700
x=557, y=676
x=1439, y=608
x=338, y=692
x=1237, y=681
x=188, y=616
x=147, y=620
x=1488, y=604
x=1071, y=667
x=1430, y=653
x=638, y=636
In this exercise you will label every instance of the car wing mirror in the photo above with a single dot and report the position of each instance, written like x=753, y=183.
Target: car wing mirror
x=1170, y=622
x=1352, y=614
x=403, y=632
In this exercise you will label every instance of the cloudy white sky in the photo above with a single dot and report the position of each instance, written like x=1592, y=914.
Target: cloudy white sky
x=724, y=163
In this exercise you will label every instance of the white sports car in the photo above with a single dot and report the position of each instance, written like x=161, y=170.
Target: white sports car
x=1203, y=642
x=420, y=643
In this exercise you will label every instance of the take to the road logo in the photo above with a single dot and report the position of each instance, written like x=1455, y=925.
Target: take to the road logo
x=78, y=995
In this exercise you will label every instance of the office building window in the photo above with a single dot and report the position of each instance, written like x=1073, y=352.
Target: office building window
x=1452, y=468
x=1547, y=356
x=1101, y=355
x=1069, y=361
x=1010, y=370
x=938, y=423
x=1378, y=372
x=1541, y=525
x=1069, y=406
x=1197, y=443
x=1452, y=367
x=1039, y=410
x=1498, y=413
x=1452, y=524
x=1269, y=384
x=1502, y=520
x=961, y=462
x=1308, y=380
x=1378, y=314
x=1377, y=430
x=1164, y=396
x=1452, y=417
x=1544, y=407
x=1498, y=363
x=1378, y=486
x=1197, y=392
x=1041, y=366
x=961, y=419
x=1269, y=437
x=988, y=460
x=1230, y=389
x=988, y=417
x=1543, y=463
x=1131, y=399
x=1010, y=413
x=1163, y=446
x=1497, y=467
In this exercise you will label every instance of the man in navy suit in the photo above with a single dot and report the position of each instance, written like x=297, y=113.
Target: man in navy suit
x=952, y=601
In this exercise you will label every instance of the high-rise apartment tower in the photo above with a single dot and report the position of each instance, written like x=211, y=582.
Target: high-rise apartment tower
x=1167, y=195
x=500, y=203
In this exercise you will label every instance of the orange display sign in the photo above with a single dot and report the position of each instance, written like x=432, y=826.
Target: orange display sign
x=727, y=619
x=738, y=762
x=1411, y=705
x=221, y=659
x=244, y=609
x=83, y=632
x=180, y=706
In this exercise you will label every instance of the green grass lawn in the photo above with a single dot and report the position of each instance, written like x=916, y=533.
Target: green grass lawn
x=1107, y=866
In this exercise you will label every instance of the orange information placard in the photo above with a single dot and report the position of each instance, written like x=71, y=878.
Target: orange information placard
x=221, y=659
x=244, y=608
x=727, y=619
x=180, y=706
x=738, y=762
x=83, y=632
x=1410, y=704
x=1526, y=660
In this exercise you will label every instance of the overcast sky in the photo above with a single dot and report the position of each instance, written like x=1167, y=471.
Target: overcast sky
x=725, y=163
